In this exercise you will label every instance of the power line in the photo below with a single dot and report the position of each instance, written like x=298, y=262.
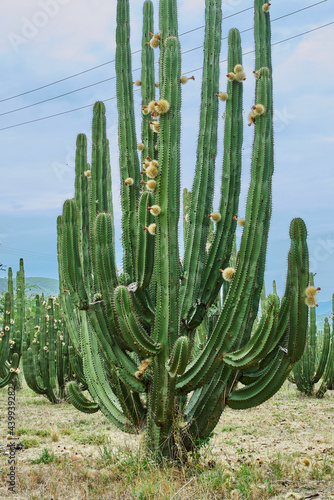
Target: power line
x=31, y=254
x=191, y=71
x=275, y=43
x=135, y=52
x=184, y=52
x=57, y=96
x=102, y=64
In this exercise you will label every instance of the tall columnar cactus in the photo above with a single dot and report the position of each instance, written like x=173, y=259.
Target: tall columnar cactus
x=45, y=352
x=327, y=383
x=310, y=368
x=137, y=330
x=12, y=328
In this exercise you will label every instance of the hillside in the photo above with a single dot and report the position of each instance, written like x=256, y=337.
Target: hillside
x=49, y=286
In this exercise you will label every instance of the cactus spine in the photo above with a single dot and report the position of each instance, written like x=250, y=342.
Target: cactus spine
x=139, y=331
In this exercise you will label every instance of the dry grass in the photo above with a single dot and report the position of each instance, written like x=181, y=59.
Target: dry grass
x=284, y=446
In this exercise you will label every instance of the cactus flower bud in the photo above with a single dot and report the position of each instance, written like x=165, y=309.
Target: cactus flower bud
x=228, y=273
x=151, y=228
x=238, y=68
x=240, y=76
x=151, y=171
x=311, y=291
x=128, y=181
x=162, y=106
x=151, y=106
x=184, y=79
x=266, y=7
x=154, y=209
x=231, y=76
x=222, y=96
x=145, y=110
x=137, y=83
x=216, y=217
x=87, y=173
x=151, y=185
x=140, y=147
x=251, y=118
x=258, y=109
x=311, y=301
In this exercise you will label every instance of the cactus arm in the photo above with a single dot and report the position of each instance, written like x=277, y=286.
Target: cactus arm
x=105, y=261
x=328, y=377
x=264, y=387
x=166, y=324
x=132, y=331
x=145, y=245
x=262, y=33
x=186, y=198
x=203, y=185
x=71, y=255
x=4, y=343
x=75, y=362
x=179, y=358
x=20, y=308
x=147, y=81
x=82, y=198
x=220, y=249
x=298, y=310
x=128, y=158
x=10, y=375
x=78, y=400
x=115, y=357
x=261, y=342
x=30, y=370
x=97, y=380
x=130, y=402
x=237, y=304
x=324, y=353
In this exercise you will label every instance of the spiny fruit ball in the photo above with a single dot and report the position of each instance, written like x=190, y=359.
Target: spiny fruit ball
x=216, y=217
x=228, y=273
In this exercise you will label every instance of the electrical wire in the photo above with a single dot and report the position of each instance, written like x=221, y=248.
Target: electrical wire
x=188, y=72
x=105, y=63
x=135, y=52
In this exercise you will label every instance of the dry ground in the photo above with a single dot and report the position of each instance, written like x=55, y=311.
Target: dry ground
x=284, y=446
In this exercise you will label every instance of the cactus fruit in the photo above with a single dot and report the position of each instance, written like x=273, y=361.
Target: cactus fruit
x=159, y=308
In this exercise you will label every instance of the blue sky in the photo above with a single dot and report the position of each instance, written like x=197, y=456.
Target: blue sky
x=47, y=40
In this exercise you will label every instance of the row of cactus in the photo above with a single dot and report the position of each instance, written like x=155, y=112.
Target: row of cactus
x=49, y=361
x=145, y=364
x=12, y=329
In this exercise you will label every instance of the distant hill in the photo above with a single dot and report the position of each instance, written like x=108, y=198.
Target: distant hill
x=49, y=286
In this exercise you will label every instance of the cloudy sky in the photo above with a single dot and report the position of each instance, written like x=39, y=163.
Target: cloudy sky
x=44, y=41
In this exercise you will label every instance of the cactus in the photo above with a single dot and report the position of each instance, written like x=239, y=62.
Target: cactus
x=12, y=330
x=327, y=383
x=137, y=330
x=310, y=368
x=48, y=361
